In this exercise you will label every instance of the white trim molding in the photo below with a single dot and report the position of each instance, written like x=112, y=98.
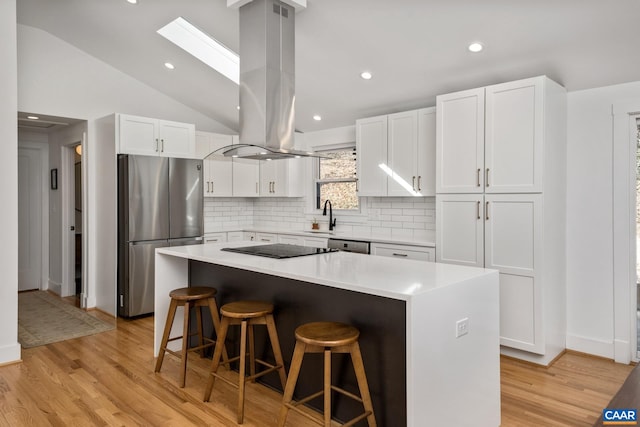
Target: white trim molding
x=625, y=114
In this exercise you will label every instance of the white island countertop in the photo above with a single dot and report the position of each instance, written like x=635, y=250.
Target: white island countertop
x=381, y=276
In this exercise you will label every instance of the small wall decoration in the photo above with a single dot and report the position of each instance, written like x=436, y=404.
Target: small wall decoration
x=54, y=179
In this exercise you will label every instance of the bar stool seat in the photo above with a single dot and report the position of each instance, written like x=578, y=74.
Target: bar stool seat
x=190, y=297
x=246, y=314
x=327, y=338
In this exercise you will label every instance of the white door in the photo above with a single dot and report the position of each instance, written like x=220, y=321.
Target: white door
x=426, y=184
x=514, y=134
x=371, y=146
x=177, y=139
x=402, y=152
x=268, y=172
x=138, y=135
x=513, y=242
x=29, y=219
x=220, y=168
x=460, y=229
x=460, y=142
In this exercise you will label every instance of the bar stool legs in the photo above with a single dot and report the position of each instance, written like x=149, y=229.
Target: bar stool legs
x=327, y=338
x=246, y=314
x=194, y=297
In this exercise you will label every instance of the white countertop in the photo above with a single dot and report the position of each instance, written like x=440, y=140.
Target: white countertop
x=367, y=237
x=382, y=276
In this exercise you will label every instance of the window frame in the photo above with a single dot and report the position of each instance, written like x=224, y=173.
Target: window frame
x=315, y=199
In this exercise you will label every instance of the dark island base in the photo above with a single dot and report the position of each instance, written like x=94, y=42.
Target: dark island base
x=381, y=321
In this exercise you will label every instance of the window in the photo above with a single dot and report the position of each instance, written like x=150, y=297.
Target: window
x=336, y=179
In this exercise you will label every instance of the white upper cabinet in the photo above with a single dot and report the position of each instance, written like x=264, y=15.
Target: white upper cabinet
x=460, y=142
x=217, y=171
x=514, y=134
x=396, y=154
x=246, y=176
x=402, y=146
x=426, y=154
x=371, y=149
x=490, y=140
x=281, y=178
x=153, y=137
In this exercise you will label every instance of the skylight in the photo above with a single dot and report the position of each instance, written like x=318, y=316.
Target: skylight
x=203, y=47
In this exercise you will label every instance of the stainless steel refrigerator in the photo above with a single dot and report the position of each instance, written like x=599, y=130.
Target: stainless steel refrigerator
x=159, y=204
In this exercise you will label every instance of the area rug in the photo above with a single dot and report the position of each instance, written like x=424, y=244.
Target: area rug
x=44, y=318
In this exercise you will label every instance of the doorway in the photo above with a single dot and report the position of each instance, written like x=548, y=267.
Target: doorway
x=32, y=217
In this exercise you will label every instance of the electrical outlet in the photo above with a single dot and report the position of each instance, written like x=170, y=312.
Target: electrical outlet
x=462, y=327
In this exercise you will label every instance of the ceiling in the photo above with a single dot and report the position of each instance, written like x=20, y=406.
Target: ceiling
x=416, y=49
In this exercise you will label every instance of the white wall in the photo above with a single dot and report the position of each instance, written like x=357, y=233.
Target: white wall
x=589, y=217
x=9, y=347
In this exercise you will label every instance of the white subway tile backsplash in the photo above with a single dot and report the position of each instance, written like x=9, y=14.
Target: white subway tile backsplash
x=402, y=217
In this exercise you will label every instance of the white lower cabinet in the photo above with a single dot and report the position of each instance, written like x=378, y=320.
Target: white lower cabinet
x=215, y=237
x=502, y=232
x=289, y=239
x=235, y=236
x=266, y=238
x=314, y=242
x=418, y=253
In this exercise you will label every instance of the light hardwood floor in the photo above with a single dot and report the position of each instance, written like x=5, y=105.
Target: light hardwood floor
x=108, y=379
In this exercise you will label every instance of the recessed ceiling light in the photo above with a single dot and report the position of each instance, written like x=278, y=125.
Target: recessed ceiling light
x=132, y=1
x=475, y=47
x=203, y=47
x=317, y=118
x=169, y=65
x=33, y=117
x=366, y=75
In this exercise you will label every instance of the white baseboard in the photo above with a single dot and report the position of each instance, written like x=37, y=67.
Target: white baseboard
x=55, y=287
x=622, y=351
x=10, y=353
x=590, y=346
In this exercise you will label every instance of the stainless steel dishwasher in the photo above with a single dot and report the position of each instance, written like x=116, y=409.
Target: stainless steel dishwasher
x=356, y=246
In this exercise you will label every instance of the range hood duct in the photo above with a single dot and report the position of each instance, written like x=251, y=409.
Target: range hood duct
x=267, y=82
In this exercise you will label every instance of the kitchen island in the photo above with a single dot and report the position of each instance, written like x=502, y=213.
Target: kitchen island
x=429, y=332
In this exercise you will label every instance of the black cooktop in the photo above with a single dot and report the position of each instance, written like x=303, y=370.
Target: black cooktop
x=279, y=250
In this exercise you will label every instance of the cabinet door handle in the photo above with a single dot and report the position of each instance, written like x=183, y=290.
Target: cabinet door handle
x=212, y=187
x=265, y=240
x=157, y=145
x=486, y=181
x=478, y=210
x=413, y=184
x=478, y=178
x=486, y=211
x=401, y=255
x=162, y=145
x=419, y=189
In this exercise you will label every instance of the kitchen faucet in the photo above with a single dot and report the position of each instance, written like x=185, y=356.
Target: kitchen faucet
x=332, y=220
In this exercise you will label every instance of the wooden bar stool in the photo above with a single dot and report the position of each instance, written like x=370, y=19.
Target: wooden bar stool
x=246, y=314
x=188, y=298
x=327, y=338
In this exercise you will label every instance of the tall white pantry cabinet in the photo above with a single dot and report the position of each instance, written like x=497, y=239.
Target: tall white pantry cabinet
x=500, y=203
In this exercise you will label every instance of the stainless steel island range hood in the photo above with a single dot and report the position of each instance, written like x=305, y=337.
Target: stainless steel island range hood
x=267, y=82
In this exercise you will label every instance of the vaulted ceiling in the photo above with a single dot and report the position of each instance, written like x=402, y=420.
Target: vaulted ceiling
x=416, y=49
